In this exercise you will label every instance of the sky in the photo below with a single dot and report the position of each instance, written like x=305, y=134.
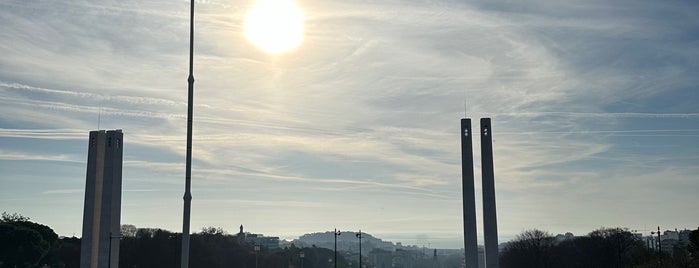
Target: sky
x=594, y=107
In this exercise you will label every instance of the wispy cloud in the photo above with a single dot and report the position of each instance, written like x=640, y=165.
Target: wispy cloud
x=600, y=115
x=366, y=111
x=64, y=191
x=22, y=156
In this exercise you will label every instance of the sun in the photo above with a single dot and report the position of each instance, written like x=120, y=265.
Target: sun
x=275, y=26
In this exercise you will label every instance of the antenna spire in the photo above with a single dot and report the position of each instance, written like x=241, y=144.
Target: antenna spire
x=465, y=109
x=99, y=118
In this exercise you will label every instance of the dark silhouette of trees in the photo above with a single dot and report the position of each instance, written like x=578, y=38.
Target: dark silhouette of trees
x=21, y=247
x=601, y=248
x=32, y=245
x=693, y=248
x=128, y=230
x=212, y=248
x=617, y=247
x=68, y=252
x=149, y=248
x=14, y=217
x=531, y=248
x=315, y=257
x=25, y=243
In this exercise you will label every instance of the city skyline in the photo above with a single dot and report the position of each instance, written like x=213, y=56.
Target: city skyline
x=593, y=107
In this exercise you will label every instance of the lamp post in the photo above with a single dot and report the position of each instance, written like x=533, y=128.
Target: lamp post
x=173, y=237
x=109, y=257
x=302, y=255
x=336, y=233
x=659, y=244
x=257, y=252
x=359, y=235
x=188, y=168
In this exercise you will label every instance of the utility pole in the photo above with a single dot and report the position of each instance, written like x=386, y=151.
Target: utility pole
x=336, y=233
x=660, y=247
x=359, y=235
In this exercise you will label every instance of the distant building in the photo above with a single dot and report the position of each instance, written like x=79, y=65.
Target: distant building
x=99, y=247
x=683, y=237
x=674, y=235
x=381, y=258
x=241, y=235
x=258, y=239
x=668, y=245
x=670, y=240
x=264, y=241
x=651, y=242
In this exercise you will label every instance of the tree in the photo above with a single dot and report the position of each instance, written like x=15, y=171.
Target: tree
x=47, y=234
x=617, y=247
x=693, y=248
x=531, y=248
x=213, y=230
x=128, y=230
x=150, y=247
x=14, y=217
x=69, y=252
x=21, y=246
x=25, y=243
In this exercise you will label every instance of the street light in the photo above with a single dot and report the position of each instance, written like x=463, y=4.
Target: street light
x=257, y=251
x=188, y=166
x=336, y=233
x=660, y=246
x=658, y=243
x=359, y=235
x=109, y=258
x=302, y=255
x=173, y=237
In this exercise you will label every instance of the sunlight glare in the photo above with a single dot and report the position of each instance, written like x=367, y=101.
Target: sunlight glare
x=275, y=26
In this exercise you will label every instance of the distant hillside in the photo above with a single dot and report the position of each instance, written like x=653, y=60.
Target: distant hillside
x=346, y=241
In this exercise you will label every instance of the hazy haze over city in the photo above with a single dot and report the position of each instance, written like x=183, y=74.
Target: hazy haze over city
x=594, y=106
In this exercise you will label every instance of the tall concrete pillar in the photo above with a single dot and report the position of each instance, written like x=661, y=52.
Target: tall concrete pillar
x=468, y=195
x=490, y=222
x=101, y=232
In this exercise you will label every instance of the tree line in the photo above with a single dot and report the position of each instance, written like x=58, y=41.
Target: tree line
x=26, y=244
x=601, y=248
x=213, y=247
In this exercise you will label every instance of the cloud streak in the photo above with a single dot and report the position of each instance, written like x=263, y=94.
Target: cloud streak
x=364, y=115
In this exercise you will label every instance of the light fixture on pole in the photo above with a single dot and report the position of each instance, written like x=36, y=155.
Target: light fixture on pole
x=188, y=166
x=257, y=252
x=658, y=245
x=336, y=233
x=302, y=255
x=359, y=235
x=109, y=258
